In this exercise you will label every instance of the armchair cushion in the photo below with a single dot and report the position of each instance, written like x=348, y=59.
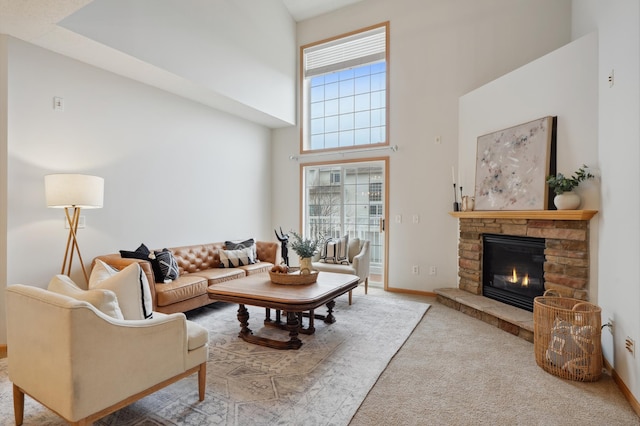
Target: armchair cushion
x=130, y=286
x=103, y=300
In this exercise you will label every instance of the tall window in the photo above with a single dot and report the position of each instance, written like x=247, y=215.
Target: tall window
x=345, y=91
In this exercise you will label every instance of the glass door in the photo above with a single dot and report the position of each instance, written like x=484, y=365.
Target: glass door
x=348, y=198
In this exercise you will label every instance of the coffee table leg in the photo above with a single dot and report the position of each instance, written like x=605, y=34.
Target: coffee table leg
x=243, y=317
x=293, y=324
x=330, y=319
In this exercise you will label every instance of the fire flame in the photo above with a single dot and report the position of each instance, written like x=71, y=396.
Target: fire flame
x=514, y=279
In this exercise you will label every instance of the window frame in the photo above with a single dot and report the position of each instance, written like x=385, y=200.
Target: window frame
x=304, y=113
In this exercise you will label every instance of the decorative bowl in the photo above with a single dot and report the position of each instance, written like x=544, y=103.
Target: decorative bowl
x=293, y=278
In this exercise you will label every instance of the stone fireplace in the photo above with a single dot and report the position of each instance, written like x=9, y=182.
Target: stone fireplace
x=566, y=246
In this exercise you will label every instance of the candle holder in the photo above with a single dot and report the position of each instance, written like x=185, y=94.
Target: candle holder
x=456, y=205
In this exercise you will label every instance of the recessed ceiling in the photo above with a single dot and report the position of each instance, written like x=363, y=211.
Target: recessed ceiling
x=38, y=22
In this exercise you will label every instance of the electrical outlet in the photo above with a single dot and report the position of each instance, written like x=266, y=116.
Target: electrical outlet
x=630, y=346
x=415, y=269
x=433, y=270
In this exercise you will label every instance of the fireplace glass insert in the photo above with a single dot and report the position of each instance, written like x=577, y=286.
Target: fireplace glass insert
x=513, y=269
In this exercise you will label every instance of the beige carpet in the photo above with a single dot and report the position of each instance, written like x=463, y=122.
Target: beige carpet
x=456, y=370
x=323, y=383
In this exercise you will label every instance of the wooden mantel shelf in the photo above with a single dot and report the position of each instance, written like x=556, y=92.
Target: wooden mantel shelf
x=527, y=214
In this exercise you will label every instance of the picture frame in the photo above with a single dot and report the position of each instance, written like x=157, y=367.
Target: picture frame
x=512, y=166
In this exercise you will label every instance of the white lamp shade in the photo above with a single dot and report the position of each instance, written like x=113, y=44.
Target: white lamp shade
x=74, y=190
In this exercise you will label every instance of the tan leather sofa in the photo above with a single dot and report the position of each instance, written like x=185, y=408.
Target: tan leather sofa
x=199, y=268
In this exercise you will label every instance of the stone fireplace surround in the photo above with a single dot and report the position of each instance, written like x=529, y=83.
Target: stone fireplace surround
x=566, y=267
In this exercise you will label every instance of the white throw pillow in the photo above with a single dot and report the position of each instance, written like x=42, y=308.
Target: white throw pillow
x=235, y=258
x=104, y=300
x=130, y=286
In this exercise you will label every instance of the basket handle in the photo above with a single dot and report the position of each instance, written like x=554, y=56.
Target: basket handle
x=579, y=306
x=552, y=292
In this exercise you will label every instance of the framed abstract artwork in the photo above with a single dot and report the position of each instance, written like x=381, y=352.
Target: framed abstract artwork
x=512, y=166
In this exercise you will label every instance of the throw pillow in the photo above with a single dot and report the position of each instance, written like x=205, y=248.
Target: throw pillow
x=103, y=300
x=336, y=250
x=130, y=286
x=144, y=253
x=571, y=346
x=168, y=264
x=235, y=258
x=238, y=245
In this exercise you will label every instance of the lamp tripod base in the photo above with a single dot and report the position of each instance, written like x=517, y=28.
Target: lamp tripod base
x=72, y=243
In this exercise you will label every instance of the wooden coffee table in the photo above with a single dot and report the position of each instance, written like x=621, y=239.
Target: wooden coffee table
x=258, y=290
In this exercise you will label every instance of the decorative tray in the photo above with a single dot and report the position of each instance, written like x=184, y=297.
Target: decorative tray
x=294, y=278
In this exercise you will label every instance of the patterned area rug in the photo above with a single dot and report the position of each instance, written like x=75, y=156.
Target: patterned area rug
x=322, y=383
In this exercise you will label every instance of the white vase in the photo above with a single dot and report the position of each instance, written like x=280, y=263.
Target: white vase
x=305, y=265
x=567, y=201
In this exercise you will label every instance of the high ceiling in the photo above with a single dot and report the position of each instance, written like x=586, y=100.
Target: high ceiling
x=36, y=21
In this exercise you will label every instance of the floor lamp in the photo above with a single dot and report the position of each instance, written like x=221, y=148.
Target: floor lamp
x=73, y=192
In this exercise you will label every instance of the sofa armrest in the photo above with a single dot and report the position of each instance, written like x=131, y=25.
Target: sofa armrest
x=269, y=251
x=120, y=263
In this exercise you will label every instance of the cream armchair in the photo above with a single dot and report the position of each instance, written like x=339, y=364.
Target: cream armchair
x=358, y=263
x=83, y=364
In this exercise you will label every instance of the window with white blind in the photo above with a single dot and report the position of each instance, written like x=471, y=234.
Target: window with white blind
x=345, y=91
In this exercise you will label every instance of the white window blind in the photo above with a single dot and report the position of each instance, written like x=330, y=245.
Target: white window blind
x=352, y=51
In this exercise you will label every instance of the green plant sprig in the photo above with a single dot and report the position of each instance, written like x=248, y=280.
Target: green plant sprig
x=305, y=247
x=561, y=183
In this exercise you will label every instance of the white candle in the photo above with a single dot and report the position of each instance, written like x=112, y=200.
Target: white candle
x=453, y=175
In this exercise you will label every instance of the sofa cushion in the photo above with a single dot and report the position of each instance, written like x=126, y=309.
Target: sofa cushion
x=256, y=268
x=235, y=258
x=143, y=253
x=167, y=263
x=220, y=275
x=103, y=300
x=336, y=250
x=182, y=288
x=197, y=335
x=130, y=286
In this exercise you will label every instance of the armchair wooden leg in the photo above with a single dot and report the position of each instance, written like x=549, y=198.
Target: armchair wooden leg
x=202, y=380
x=18, y=405
x=350, y=296
x=366, y=285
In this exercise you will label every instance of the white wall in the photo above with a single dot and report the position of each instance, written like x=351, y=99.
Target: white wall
x=176, y=172
x=3, y=179
x=439, y=51
x=241, y=55
x=618, y=25
x=563, y=83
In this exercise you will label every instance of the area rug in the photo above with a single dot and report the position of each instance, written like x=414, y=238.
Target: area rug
x=322, y=383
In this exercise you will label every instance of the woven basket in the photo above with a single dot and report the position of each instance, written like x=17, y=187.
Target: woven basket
x=294, y=278
x=566, y=337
